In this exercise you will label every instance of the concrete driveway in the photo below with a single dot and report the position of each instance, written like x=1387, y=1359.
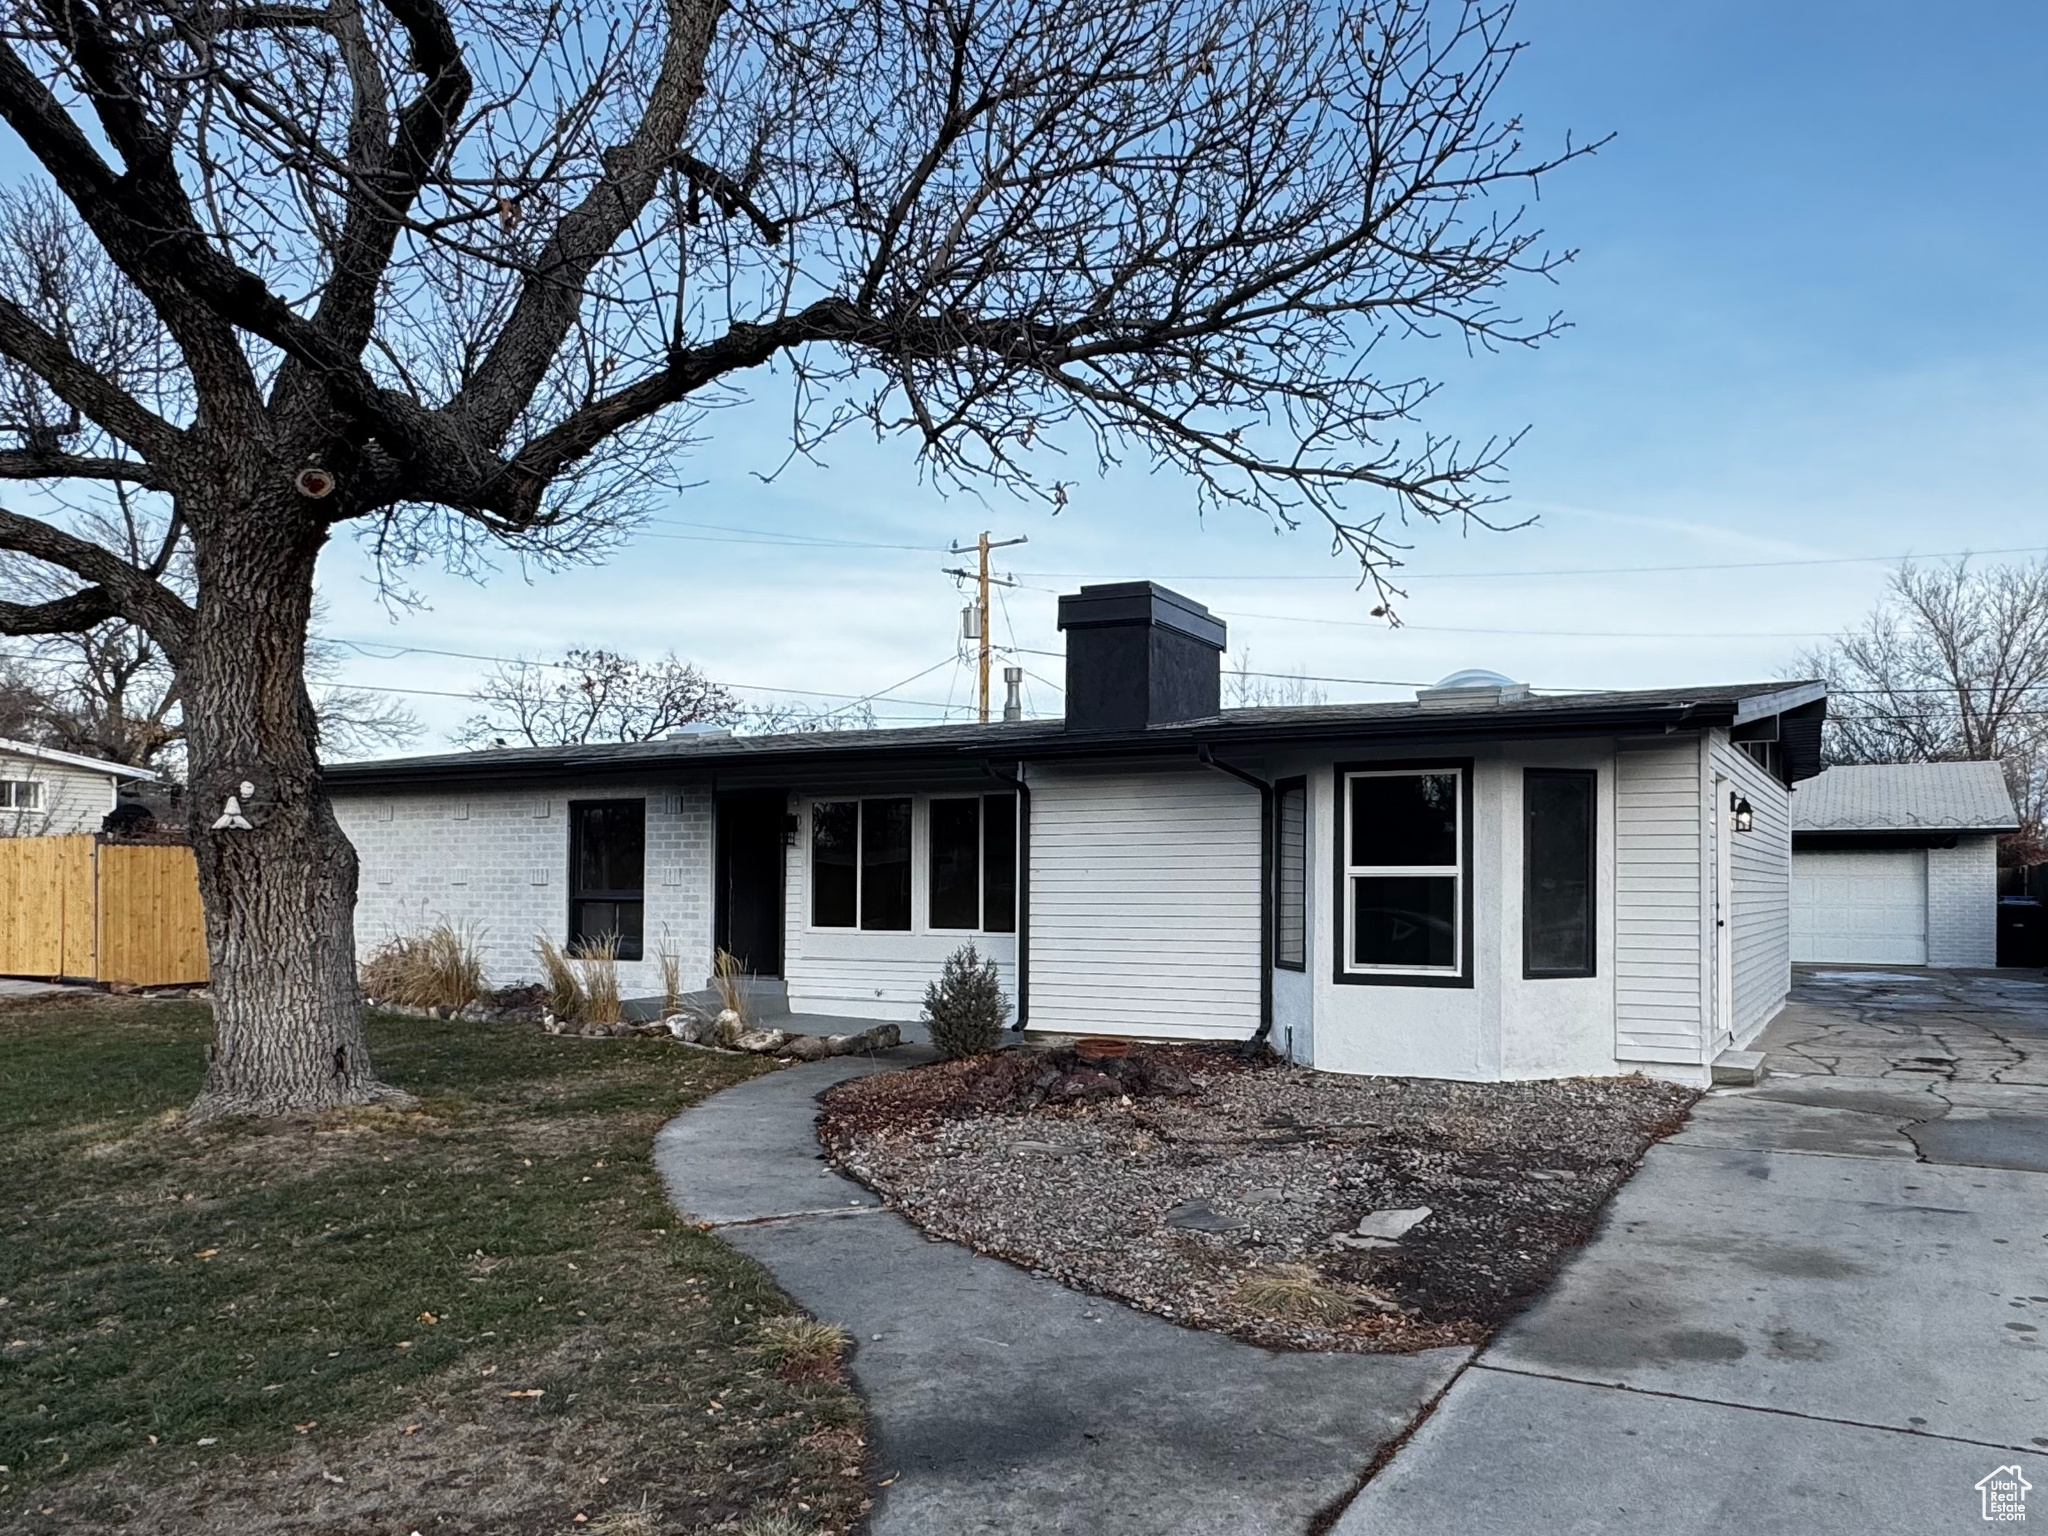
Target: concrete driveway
x=1819, y=1308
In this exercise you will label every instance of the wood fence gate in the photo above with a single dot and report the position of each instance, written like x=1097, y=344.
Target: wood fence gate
x=78, y=907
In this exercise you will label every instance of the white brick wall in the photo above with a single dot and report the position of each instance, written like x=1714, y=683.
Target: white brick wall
x=1962, y=903
x=499, y=861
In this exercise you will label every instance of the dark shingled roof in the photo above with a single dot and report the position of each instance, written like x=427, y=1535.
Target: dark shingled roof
x=1650, y=711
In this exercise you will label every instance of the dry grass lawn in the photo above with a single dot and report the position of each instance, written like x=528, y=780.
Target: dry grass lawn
x=478, y=1316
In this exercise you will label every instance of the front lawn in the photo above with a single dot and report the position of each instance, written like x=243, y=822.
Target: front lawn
x=477, y=1316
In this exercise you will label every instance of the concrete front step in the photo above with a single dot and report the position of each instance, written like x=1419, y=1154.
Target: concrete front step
x=1739, y=1069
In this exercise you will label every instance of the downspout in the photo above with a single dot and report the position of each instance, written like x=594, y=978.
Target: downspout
x=1016, y=782
x=1265, y=788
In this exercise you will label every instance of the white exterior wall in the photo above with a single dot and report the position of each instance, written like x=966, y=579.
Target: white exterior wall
x=74, y=799
x=1662, y=884
x=498, y=860
x=1145, y=903
x=1760, y=923
x=1962, y=903
x=1558, y=1026
x=1504, y=1025
x=866, y=975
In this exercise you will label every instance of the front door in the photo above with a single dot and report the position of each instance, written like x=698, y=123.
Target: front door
x=748, y=922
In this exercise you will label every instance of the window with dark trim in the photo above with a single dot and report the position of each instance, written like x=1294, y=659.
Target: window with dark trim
x=999, y=863
x=860, y=864
x=607, y=874
x=835, y=864
x=1290, y=874
x=1404, y=856
x=955, y=878
x=972, y=858
x=1559, y=820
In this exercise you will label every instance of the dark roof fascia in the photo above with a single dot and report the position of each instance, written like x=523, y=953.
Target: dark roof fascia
x=760, y=765
x=1758, y=706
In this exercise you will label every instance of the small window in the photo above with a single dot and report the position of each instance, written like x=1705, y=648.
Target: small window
x=885, y=864
x=1290, y=874
x=835, y=864
x=1404, y=876
x=21, y=795
x=999, y=863
x=973, y=864
x=860, y=864
x=1558, y=821
x=956, y=864
x=607, y=863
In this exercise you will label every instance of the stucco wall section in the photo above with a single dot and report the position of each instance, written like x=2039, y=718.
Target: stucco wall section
x=498, y=861
x=1962, y=903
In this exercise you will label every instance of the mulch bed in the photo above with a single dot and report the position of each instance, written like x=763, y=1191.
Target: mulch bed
x=1215, y=1191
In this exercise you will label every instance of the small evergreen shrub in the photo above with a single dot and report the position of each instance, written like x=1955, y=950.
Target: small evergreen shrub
x=965, y=1007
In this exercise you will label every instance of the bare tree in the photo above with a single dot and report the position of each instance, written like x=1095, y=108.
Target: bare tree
x=1245, y=689
x=465, y=275
x=594, y=696
x=1951, y=666
x=792, y=717
x=111, y=691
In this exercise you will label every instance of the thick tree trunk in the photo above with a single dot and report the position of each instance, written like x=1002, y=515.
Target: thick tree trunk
x=277, y=875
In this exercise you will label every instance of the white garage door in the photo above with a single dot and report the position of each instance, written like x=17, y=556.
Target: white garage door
x=1860, y=908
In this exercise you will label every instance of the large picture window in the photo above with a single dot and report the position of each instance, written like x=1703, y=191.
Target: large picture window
x=1290, y=874
x=1404, y=860
x=1558, y=822
x=607, y=874
x=973, y=873
x=860, y=864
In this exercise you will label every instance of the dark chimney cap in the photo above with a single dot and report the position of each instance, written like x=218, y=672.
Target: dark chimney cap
x=1140, y=602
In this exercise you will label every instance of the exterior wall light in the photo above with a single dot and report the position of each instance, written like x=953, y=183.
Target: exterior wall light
x=1740, y=815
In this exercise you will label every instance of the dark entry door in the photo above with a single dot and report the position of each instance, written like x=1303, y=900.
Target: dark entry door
x=748, y=923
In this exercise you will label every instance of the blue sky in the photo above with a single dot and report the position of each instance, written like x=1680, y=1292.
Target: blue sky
x=1810, y=322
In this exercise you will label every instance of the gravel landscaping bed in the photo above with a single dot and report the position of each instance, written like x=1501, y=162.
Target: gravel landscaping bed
x=1245, y=1197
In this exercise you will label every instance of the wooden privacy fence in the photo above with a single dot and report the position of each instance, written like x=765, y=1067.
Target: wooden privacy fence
x=74, y=906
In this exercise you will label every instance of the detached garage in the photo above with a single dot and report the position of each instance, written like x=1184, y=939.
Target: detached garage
x=1897, y=864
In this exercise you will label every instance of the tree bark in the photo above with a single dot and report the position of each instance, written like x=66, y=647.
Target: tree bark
x=276, y=873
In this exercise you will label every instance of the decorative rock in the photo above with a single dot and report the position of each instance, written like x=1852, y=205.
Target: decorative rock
x=1044, y=1148
x=807, y=1047
x=1392, y=1224
x=1201, y=1216
x=761, y=1042
x=1084, y=1083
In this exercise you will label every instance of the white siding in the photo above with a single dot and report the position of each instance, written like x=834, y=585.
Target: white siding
x=1659, y=887
x=874, y=975
x=1144, y=904
x=74, y=799
x=1761, y=922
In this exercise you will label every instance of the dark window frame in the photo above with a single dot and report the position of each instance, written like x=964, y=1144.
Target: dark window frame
x=1590, y=778
x=931, y=864
x=1340, y=846
x=618, y=896
x=861, y=865
x=1285, y=883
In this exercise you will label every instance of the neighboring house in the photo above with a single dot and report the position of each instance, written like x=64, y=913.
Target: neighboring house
x=1897, y=864
x=1477, y=884
x=47, y=793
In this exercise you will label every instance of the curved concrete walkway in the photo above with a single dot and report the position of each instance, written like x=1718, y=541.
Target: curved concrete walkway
x=1002, y=1402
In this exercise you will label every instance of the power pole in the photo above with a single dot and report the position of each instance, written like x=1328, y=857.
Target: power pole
x=983, y=582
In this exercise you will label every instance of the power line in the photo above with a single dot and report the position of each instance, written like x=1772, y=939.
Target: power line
x=1590, y=570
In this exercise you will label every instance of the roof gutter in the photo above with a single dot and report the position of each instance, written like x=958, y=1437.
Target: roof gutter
x=1207, y=759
